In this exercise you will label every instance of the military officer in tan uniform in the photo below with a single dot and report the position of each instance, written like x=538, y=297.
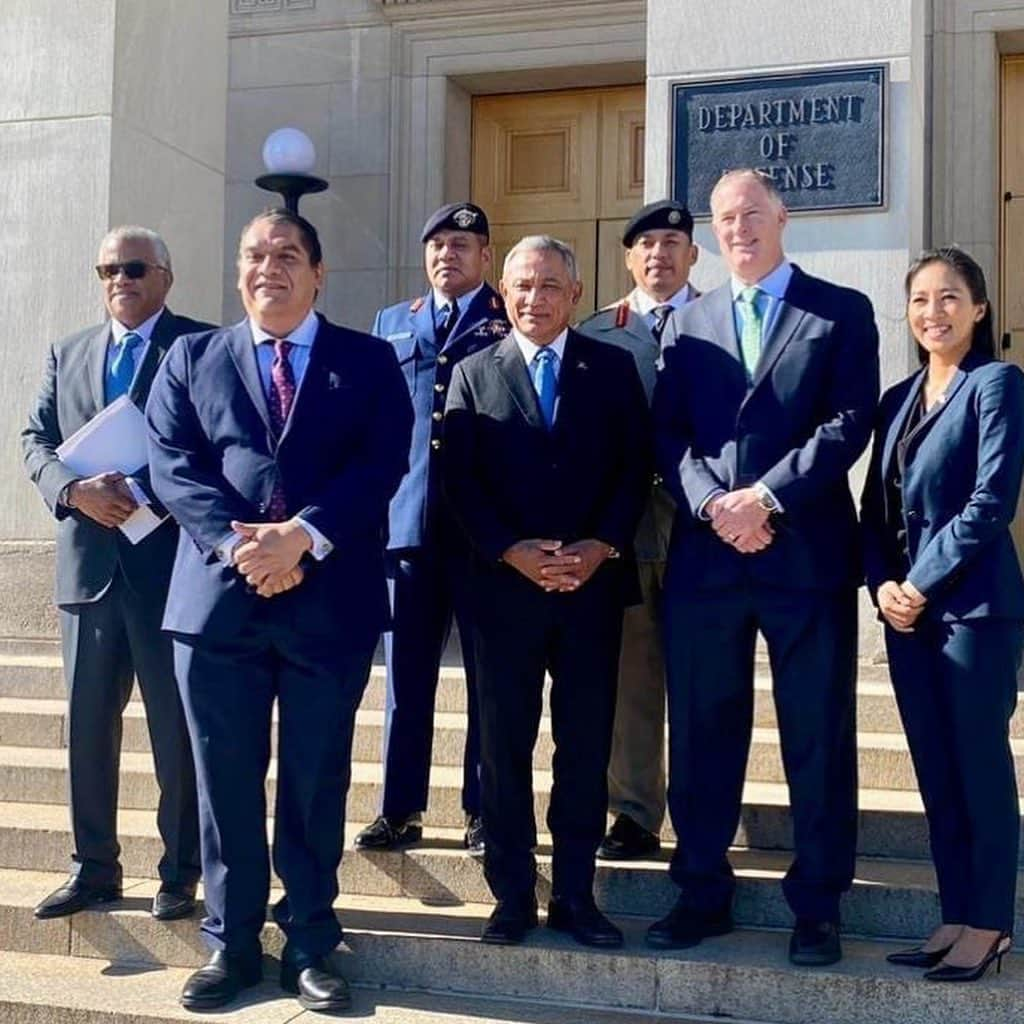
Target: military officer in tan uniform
x=659, y=255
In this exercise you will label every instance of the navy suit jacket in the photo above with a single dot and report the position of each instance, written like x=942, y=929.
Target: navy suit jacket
x=798, y=426
x=509, y=478
x=409, y=328
x=213, y=459
x=960, y=489
x=72, y=394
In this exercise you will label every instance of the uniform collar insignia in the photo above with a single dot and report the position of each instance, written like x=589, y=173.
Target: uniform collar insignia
x=417, y=305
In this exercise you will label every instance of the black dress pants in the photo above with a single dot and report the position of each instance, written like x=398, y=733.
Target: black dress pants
x=106, y=644
x=521, y=633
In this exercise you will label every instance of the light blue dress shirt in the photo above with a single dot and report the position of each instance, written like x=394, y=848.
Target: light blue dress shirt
x=773, y=290
x=464, y=302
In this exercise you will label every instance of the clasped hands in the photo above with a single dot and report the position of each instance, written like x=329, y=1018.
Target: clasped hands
x=269, y=553
x=739, y=520
x=900, y=604
x=555, y=566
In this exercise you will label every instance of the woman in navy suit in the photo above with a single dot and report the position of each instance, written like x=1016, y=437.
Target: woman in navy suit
x=941, y=492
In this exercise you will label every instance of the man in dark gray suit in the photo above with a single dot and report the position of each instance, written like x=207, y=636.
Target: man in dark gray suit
x=110, y=592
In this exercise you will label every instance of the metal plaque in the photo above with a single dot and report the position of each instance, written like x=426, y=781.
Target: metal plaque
x=819, y=135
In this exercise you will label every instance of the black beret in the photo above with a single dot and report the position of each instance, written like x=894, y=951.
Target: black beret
x=456, y=217
x=666, y=214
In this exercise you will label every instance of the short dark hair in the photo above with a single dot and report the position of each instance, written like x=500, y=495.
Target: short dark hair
x=983, y=340
x=308, y=236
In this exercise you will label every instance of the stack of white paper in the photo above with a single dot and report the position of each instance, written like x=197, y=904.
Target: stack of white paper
x=114, y=441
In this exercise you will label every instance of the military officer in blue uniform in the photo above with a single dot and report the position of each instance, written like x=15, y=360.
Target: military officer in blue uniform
x=460, y=314
x=659, y=253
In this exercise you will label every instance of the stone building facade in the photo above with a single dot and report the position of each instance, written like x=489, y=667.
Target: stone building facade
x=145, y=111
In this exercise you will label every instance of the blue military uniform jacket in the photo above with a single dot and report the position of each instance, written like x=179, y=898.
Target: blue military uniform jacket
x=409, y=328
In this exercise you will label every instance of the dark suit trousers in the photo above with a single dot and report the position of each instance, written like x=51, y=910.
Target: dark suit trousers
x=956, y=685
x=811, y=639
x=105, y=644
x=228, y=688
x=427, y=590
x=521, y=633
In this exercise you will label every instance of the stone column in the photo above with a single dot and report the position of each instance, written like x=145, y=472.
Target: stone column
x=111, y=111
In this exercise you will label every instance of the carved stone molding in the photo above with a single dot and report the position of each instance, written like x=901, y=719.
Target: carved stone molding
x=241, y=7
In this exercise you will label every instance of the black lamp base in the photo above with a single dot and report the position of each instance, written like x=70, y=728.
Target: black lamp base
x=291, y=187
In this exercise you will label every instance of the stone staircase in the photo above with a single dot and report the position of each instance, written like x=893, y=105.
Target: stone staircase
x=412, y=918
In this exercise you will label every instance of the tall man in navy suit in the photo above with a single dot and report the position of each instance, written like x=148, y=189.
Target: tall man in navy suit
x=765, y=402
x=276, y=444
x=111, y=593
x=547, y=467
x=426, y=557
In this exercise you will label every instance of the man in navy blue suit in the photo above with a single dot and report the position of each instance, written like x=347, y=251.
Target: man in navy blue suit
x=426, y=554
x=276, y=444
x=765, y=402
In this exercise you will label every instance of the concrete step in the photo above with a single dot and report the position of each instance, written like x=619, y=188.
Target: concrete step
x=888, y=898
x=891, y=821
x=50, y=989
x=400, y=943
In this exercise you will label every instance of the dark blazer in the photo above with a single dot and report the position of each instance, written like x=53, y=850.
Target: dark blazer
x=510, y=479
x=798, y=427
x=960, y=489
x=72, y=394
x=409, y=328
x=213, y=459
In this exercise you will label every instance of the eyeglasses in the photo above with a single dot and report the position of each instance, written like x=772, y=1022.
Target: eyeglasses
x=132, y=269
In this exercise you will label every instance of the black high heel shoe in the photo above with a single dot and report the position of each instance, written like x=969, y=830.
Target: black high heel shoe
x=947, y=972
x=918, y=957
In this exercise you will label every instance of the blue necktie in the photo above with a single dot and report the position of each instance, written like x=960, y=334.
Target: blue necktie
x=122, y=369
x=545, y=383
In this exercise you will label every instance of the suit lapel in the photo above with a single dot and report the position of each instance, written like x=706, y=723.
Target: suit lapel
x=97, y=365
x=718, y=305
x=479, y=310
x=159, y=342
x=896, y=424
x=310, y=388
x=786, y=325
x=517, y=380
x=570, y=378
x=243, y=355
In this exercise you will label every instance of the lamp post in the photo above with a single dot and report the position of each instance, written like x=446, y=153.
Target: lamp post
x=289, y=156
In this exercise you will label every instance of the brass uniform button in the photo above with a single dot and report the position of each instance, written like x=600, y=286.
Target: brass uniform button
x=442, y=360
x=437, y=416
x=435, y=444
x=439, y=388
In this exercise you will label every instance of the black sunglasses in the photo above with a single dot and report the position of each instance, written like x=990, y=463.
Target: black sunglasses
x=132, y=269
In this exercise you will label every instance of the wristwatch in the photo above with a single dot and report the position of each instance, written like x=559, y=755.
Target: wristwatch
x=766, y=499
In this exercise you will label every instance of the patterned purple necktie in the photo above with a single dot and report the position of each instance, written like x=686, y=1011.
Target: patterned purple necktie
x=279, y=401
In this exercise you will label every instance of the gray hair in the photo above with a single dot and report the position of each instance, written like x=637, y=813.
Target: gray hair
x=544, y=243
x=760, y=177
x=134, y=233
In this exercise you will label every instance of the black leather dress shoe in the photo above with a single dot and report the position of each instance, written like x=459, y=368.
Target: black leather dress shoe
x=474, y=838
x=509, y=923
x=917, y=957
x=220, y=980
x=626, y=840
x=814, y=943
x=317, y=983
x=73, y=896
x=390, y=833
x=684, y=926
x=584, y=922
x=173, y=904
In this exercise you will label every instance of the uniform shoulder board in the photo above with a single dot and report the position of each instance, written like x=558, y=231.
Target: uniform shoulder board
x=496, y=303
x=621, y=313
x=417, y=305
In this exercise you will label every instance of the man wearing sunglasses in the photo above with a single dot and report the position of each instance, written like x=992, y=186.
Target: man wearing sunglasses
x=111, y=593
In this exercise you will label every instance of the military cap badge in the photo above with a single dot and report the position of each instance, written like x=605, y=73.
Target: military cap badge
x=674, y=216
x=464, y=217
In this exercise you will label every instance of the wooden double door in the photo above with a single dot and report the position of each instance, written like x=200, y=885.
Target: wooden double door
x=568, y=164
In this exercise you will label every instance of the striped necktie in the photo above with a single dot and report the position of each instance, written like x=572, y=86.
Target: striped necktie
x=279, y=404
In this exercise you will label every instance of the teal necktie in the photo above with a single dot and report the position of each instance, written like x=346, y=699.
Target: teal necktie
x=122, y=369
x=751, y=337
